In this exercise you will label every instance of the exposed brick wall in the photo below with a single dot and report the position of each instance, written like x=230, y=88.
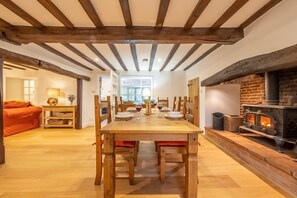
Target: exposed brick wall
x=288, y=87
x=252, y=89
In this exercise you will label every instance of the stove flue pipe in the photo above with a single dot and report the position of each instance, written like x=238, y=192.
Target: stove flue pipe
x=271, y=88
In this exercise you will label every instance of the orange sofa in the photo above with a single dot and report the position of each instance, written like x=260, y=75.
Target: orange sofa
x=19, y=117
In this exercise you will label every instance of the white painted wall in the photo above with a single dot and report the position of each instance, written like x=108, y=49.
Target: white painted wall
x=14, y=89
x=166, y=83
x=221, y=98
x=275, y=30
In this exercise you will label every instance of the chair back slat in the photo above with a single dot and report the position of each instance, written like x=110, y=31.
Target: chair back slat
x=117, y=104
x=164, y=102
x=174, y=107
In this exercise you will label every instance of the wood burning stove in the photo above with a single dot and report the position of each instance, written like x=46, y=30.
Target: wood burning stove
x=273, y=121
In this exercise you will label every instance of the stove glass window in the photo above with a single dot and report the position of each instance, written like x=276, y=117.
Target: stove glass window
x=250, y=118
x=265, y=121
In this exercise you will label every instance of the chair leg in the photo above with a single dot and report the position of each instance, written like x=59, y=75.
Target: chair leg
x=135, y=155
x=98, y=166
x=162, y=164
x=131, y=166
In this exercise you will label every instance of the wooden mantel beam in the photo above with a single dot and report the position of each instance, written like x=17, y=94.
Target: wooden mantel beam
x=113, y=34
x=282, y=59
x=19, y=58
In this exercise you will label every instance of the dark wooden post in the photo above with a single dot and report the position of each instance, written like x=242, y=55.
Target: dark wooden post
x=79, y=103
x=2, y=148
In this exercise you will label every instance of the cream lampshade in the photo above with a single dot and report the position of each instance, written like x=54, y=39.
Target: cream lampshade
x=52, y=93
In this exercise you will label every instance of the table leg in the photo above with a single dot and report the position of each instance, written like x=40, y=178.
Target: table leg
x=109, y=167
x=192, y=166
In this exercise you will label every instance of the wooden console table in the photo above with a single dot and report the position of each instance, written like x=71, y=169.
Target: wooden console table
x=58, y=116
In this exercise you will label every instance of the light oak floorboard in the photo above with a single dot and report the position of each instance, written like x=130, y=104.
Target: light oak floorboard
x=61, y=163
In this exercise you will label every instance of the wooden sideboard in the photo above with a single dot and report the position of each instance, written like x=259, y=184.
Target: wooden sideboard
x=58, y=116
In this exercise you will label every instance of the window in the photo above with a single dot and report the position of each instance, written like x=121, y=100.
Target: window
x=29, y=90
x=136, y=88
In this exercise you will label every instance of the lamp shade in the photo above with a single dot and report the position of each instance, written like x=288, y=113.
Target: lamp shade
x=53, y=92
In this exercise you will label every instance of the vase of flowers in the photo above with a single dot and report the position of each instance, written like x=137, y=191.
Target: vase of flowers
x=71, y=98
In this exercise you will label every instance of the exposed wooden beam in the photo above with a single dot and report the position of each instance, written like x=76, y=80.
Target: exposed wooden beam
x=93, y=49
x=56, y=52
x=118, y=56
x=152, y=57
x=126, y=13
x=54, y=10
x=5, y=24
x=22, y=65
x=2, y=147
x=200, y=7
x=278, y=60
x=134, y=55
x=170, y=55
x=116, y=34
x=4, y=38
x=13, y=66
x=163, y=7
x=259, y=13
x=203, y=56
x=21, y=13
x=190, y=52
x=228, y=14
x=8, y=68
x=83, y=56
x=23, y=59
x=91, y=12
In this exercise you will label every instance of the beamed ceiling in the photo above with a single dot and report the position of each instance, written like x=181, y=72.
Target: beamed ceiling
x=128, y=35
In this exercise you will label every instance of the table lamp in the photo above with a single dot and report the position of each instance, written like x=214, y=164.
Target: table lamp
x=52, y=93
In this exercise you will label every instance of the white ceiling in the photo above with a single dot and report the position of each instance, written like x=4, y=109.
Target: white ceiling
x=144, y=13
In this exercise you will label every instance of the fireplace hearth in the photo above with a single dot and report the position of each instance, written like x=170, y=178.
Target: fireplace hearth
x=273, y=121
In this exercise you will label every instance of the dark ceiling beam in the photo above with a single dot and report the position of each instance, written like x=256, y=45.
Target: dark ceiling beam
x=10, y=64
x=5, y=24
x=95, y=51
x=83, y=56
x=116, y=34
x=203, y=56
x=152, y=57
x=56, y=52
x=13, y=66
x=91, y=12
x=259, y=13
x=54, y=10
x=21, y=13
x=134, y=55
x=118, y=56
x=126, y=13
x=13, y=57
x=8, y=68
x=198, y=10
x=163, y=7
x=278, y=60
x=190, y=52
x=228, y=14
x=170, y=55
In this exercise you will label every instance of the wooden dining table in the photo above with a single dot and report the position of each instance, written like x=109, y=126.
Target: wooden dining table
x=153, y=127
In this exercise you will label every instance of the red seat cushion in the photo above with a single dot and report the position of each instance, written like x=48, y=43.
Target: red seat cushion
x=172, y=143
x=129, y=144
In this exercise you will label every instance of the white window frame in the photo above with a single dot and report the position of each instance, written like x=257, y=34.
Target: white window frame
x=129, y=96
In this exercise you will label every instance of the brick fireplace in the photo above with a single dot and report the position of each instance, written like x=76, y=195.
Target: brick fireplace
x=276, y=116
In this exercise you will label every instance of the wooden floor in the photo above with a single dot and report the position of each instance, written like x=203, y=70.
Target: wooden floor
x=61, y=163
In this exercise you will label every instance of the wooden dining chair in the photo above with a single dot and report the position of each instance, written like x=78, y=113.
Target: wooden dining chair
x=164, y=102
x=121, y=147
x=181, y=104
x=177, y=147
